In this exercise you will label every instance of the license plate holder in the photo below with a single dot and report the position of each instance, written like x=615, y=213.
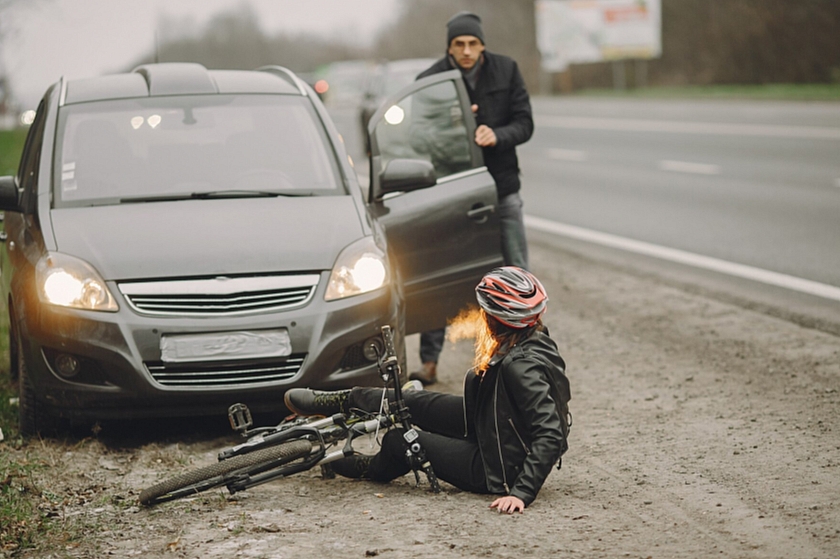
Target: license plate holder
x=221, y=346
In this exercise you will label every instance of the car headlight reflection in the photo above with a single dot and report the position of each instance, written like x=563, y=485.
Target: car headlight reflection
x=360, y=268
x=67, y=281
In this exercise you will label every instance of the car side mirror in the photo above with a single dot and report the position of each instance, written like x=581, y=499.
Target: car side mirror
x=9, y=194
x=403, y=175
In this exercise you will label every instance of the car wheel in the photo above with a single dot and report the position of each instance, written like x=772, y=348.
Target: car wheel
x=32, y=417
x=399, y=344
x=13, y=345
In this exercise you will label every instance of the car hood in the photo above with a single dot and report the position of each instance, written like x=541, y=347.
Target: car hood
x=209, y=237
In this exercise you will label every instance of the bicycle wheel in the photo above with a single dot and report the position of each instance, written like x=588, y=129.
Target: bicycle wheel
x=215, y=475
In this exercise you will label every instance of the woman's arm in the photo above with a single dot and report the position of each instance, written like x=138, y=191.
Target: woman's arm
x=528, y=388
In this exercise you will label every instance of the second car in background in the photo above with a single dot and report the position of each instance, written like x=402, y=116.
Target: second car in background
x=387, y=79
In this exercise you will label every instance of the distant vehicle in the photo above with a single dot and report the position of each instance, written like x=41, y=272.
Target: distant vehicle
x=178, y=239
x=387, y=79
x=341, y=85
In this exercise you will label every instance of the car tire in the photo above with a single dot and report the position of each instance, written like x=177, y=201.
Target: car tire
x=13, y=344
x=33, y=419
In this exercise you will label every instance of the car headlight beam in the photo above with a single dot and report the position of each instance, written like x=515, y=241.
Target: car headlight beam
x=361, y=267
x=67, y=281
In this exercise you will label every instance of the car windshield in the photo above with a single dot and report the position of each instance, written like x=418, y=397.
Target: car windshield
x=164, y=148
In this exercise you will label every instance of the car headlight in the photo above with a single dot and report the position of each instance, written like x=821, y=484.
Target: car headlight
x=67, y=281
x=361, y=267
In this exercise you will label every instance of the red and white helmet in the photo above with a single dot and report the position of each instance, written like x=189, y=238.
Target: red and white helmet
x=513, y=296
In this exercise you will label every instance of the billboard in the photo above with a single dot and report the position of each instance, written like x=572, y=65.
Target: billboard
x=583, y=31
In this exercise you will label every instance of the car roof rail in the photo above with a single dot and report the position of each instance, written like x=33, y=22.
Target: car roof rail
x=285, y=74
x=176, y=78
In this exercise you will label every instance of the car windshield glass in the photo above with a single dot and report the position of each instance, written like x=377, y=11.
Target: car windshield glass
x=184, y=147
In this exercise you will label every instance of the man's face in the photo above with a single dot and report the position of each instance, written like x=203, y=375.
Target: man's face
x=466, y=50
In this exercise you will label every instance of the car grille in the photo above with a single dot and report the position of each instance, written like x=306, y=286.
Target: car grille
x=225, y=374
x=220, y=296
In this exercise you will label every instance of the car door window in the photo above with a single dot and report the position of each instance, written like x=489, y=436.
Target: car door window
x=428, y=124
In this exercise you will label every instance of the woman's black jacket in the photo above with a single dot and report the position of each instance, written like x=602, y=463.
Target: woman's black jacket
x=518, y=413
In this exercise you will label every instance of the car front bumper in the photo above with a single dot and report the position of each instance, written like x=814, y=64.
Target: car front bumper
x=119, y=352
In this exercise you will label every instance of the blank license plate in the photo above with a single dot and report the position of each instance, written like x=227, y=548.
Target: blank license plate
x=225, y=345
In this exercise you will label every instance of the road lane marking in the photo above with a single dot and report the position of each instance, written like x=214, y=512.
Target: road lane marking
x=837, y=182
x=566, y=154
x=688, y=167
x=683, y=257
x=688, y=127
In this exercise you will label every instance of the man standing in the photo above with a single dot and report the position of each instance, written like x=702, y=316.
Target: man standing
x=503, y=113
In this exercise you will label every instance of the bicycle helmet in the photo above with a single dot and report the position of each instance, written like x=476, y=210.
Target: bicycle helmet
x=513, y=296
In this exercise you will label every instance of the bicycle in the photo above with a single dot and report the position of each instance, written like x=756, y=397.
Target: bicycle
x=300, y=443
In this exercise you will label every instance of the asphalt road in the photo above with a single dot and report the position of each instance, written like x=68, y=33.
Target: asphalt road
x=753, y=183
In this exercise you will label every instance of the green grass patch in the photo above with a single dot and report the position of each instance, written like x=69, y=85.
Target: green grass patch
x=21, y=522
x=773, y=92
x=8, y=390
x=23, y=525
x=11, y=146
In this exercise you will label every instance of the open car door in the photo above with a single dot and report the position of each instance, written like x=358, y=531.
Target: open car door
x=434, y=198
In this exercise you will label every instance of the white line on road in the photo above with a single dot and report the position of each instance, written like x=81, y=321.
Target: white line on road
x=566, y=154
x=687, y=167
x=837, y=182
x=687, y=258
x=687, y=127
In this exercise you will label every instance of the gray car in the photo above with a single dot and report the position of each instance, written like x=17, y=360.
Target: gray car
x=178, y=239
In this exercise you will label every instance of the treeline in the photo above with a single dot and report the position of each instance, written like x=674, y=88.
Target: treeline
x=704, y=41
x=235, y=40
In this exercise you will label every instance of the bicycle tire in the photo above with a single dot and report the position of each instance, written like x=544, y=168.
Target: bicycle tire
x=166, y=490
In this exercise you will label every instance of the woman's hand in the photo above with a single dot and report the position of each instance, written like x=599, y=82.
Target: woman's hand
x=508, y=504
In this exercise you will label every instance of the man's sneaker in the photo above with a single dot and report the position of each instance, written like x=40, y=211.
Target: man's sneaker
x=355, y=467
x=427, y=374
x=304, y=401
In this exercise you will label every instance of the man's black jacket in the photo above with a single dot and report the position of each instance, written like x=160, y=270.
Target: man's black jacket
x=504, y=106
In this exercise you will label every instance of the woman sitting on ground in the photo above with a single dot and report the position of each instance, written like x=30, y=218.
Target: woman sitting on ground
x=506, y=432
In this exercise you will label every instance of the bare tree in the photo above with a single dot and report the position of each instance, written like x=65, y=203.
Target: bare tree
x=234, y=39
x=420, y=31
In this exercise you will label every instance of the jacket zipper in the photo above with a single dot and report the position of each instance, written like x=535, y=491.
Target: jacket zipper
x=466, y=429
x=498, y=437
x=522, y=442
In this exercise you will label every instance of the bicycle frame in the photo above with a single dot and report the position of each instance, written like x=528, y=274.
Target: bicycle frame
x=326, y=433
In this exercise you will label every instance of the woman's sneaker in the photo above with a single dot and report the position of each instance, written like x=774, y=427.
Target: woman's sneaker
x=355, y=467
x=304, y=401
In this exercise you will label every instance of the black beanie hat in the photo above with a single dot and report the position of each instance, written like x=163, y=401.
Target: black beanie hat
x=463, y=23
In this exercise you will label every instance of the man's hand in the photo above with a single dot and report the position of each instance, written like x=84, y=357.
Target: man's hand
x=484, y=136
x=508, y=504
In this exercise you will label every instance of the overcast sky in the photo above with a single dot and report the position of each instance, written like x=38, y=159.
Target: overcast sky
x=83, y=38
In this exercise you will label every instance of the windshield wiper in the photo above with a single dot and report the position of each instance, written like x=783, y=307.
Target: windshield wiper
x=215, y=194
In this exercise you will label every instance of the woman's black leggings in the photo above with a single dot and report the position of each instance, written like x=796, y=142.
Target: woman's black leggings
x=455, y=458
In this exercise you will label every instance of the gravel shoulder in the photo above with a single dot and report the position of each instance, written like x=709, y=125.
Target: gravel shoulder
x=701, y=428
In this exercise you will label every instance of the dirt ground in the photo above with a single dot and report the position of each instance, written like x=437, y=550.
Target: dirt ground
x=701, y=429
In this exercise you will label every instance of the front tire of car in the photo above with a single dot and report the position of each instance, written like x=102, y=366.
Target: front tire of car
x=13, y=344
x=33, y=419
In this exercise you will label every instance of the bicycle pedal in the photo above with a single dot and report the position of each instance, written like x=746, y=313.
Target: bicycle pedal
x=240, y=417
